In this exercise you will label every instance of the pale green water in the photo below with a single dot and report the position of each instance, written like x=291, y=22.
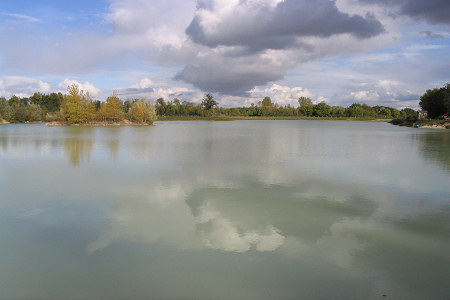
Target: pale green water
x=225, y=210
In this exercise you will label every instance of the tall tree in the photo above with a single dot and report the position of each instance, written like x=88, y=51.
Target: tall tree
x=436, y=101
x=267, y=102
x=78, y=105
x=161, y=106
x=208, y=102
x=5, y=109
x=114, y=108
x=306, y=106
x=18, y=109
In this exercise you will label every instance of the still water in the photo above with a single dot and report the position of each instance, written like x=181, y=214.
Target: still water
x=225, y=210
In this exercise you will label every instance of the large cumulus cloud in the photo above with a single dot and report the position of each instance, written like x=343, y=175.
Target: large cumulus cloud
x=244, y=44
x=257, y=24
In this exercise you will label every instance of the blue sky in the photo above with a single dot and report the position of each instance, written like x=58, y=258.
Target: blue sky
x=376, y=52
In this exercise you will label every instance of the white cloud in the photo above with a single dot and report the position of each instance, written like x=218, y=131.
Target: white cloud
x=21, y=17
x=160, y=22
x=22, y=86
x=83, y=85
x=147, y=88
x=381, y=92
x=234, y=55
x=220, y=233
x=282, y=95
x=143, y=84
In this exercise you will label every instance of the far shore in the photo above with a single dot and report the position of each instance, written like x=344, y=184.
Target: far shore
x=428, y=124
x=237, y=118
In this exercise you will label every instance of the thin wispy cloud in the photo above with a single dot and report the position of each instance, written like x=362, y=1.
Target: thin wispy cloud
x=20, y=17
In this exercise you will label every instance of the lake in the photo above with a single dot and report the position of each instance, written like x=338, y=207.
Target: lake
x=225, y=210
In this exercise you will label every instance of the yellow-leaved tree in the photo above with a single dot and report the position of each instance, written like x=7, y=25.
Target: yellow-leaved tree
x=78, y=106
x=114, y=108
x=142, y=111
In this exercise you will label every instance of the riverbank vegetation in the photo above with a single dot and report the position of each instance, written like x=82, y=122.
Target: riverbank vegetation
x=429, y=123
x=266, y=109
x=436, y=101
x=77, y=107
x=435, y=104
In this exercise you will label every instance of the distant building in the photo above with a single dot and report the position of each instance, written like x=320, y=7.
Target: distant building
x=422, y=114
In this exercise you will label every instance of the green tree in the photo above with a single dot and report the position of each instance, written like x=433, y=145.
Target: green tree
x=355, y=110
x=322, y=110
x=368, y=112
x=5, y=110
x=18, y=109
x=52, y=102
x=180, y=108
x=208, y=102
x=34, y=113
x=338, y=111
x=267, y=107
x=408, y=114
x=395, y=113
x=267, y=102
x=436, y=101
x=306, y=106
x=384, y=112
x=161, y=106
x=36, y=98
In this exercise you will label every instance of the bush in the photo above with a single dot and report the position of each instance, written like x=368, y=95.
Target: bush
x=142, y=111
x=56, y=116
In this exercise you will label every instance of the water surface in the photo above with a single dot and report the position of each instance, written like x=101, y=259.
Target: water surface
x=225, y=210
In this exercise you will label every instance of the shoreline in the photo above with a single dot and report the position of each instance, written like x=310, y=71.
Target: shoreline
x=259, y=118
x=98, y=123
x=426, y=124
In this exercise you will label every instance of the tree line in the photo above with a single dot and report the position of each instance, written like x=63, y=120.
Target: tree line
x=266, y=108
x=77, y=107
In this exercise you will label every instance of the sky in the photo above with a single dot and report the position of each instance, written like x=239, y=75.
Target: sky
x=378, y=52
